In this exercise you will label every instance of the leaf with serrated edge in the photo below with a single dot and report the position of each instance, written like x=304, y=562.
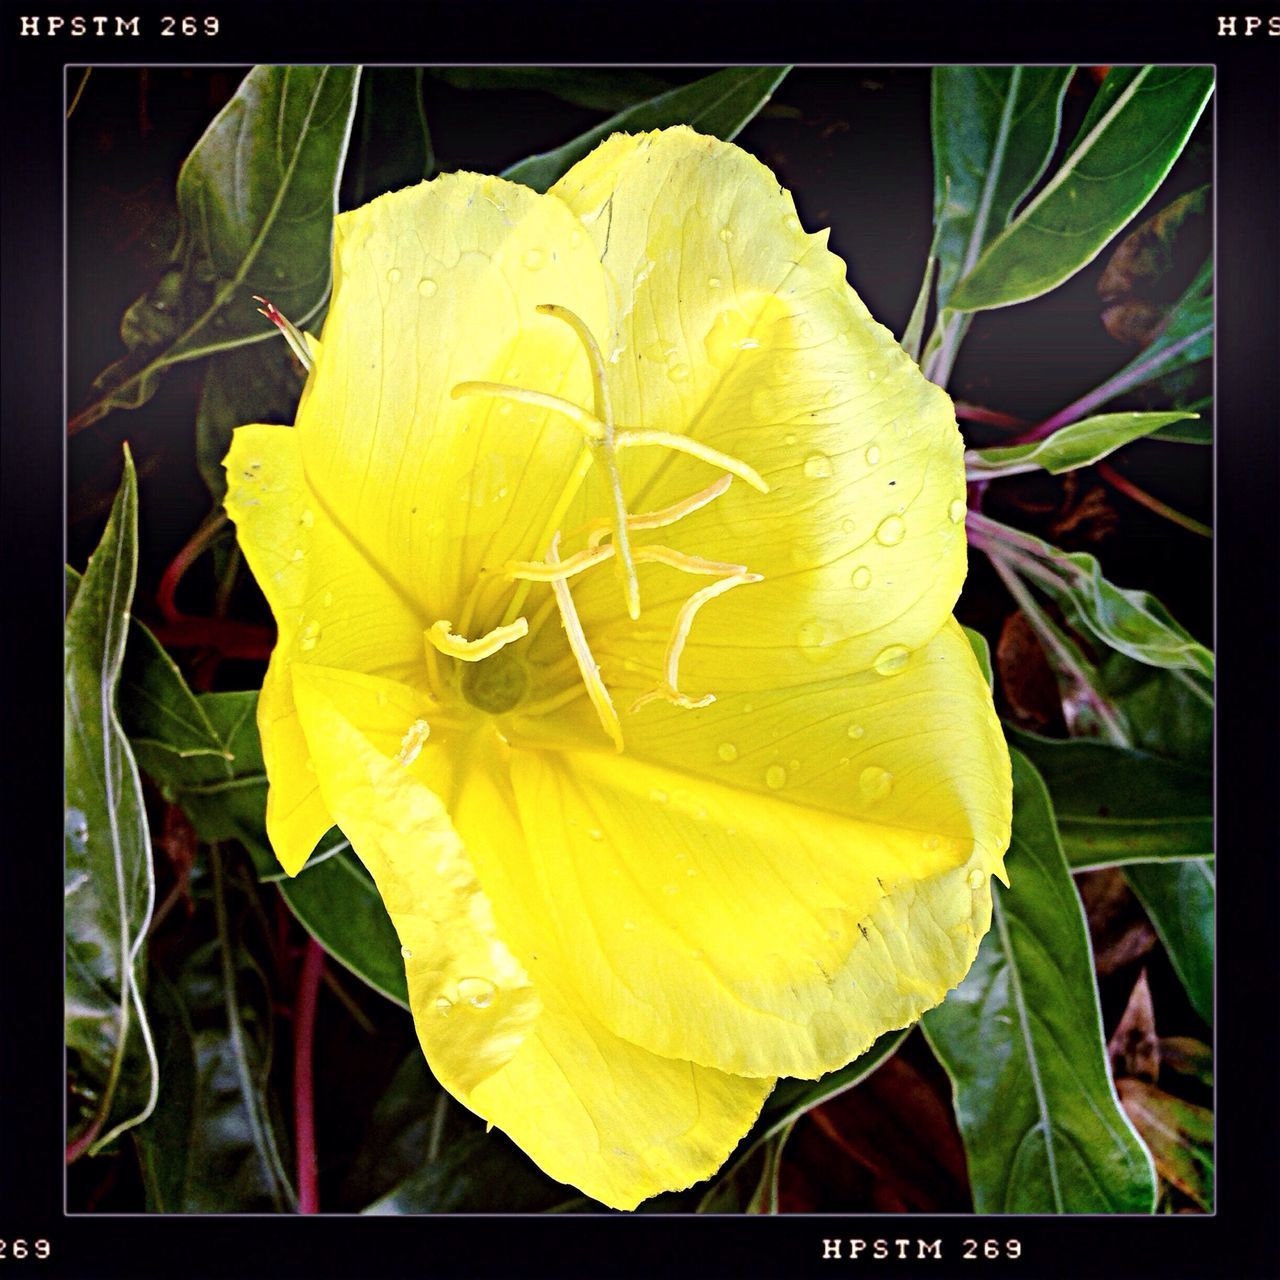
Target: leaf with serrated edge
x=270, y=232
x=720, y=104
x=109, y=878
x=1121, y=156
x=1021, y=1039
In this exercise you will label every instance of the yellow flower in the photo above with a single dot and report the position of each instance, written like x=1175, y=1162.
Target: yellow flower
x=613, y=556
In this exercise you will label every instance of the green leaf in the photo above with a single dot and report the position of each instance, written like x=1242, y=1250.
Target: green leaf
x=981, y=651
x=256, y=199
x=425, y=1154
x=215, y=1141
x=1179, y=1134
x=790, y=1100
x=1116, y=806
x=391, y=142
x=720, y=105
x=337, y=903
x=994, y=131
x=1169, y=713
x=1021, y=1039
x=1135, y=130
x=1134, y=623
x=1188, y=1057
x=109, y=887
x=611, y=90
x=1079, y=445
x=1179, y=899
x=258, y=383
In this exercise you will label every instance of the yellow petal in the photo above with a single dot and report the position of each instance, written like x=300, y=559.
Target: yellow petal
x=768, y=884
x=330, y=605
x=733, y=326
x=435, y=286
x=507, y=1038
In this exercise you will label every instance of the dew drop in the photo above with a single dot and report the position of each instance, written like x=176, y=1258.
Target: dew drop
x=817, y=466
x=812, y=638
x=872, y=455
x=393, y=276
x=307, y=518
x=726, y=234
x=678, y=372
x=298, y=554
x=444, y=1006
x=861, y=578
x=872, y=375
x=956, y=510
x=791, y=222
x=533, y=259
x=729, y=334
x=575, y=239
x=805, y=329
x=427, y=287
x=875, y=783
x=671, y=890
x=789, y=438
x=310, y=634
x=856, y=731
x=847, y=524
x=713, y=282
x=931, y=842
x=477, y=992
x=891, y=660
x=891, y=531
x=404, y=951
x=596, y=834
x=691, y=871
x=727, y=752
x=658, y=796
x=327, y=600
x=775, y=777
x=629, y=926
x=975, y=879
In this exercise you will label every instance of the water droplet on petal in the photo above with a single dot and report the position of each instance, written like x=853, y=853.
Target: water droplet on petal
x=670, y=890
x=477, y=992
x=873, y=454
x=327, y=600
x=805, y=329
x=729, y=334
x=404, y=951
x=872, y=375
x=817, y=466
x=931, y=842
x=856, y=731
x=658, y=796
x=307, y=518
x=713, y=282
x=726, y=234
x=427, y=287
x=596, y=834
x=727, y=752
x=975, y=879
x=791, y=222
x=775, y=777
x=444, y=1006
x=533, y=259
x=678, y=372
x=875, y=783
x=310, y=634
x=393, y=276
x=956, y=510
x=891, y=531
x=891, y=660
x=861, y=578
x=629, y=926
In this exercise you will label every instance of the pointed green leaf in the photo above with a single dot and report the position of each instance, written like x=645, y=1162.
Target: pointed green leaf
x=256, y=199
x=215, y=1143
x=1136, y=129
x=994, y=130
x=1179, y=899
x=1118, y=806
x=109, y=882
x=1021, y=1039
x=1079, y=445
x=720, y=105
x=611, y=90
x=1179, y=1134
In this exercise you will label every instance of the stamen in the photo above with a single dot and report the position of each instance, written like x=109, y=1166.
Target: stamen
x=539, y=571
x=590, y=425
x=606, y=453
x=292, y=334
x=440, y=636
x=688, y=564
x=670, y=687
x=587, y=665
x=683, y=444
x=599, y=529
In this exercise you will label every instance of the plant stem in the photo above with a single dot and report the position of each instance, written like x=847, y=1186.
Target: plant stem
x=1131, y=490
x=186, y=557
x=304, y=1023
x=992, y=417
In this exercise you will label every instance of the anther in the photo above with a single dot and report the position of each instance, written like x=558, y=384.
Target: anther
x=440, y=636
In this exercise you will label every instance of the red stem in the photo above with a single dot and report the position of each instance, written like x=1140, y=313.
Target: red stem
x=993, y=417
x=304, y=1023
x=186, y=557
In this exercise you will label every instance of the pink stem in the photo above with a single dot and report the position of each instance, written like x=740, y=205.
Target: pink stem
x=304, y=1116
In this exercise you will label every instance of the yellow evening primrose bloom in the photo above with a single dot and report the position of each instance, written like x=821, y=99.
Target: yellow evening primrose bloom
x=613, y=555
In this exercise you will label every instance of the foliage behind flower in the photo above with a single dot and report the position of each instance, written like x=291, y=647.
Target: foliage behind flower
x=613, y=555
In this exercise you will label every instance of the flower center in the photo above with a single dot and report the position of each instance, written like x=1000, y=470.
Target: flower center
x=495, y=679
